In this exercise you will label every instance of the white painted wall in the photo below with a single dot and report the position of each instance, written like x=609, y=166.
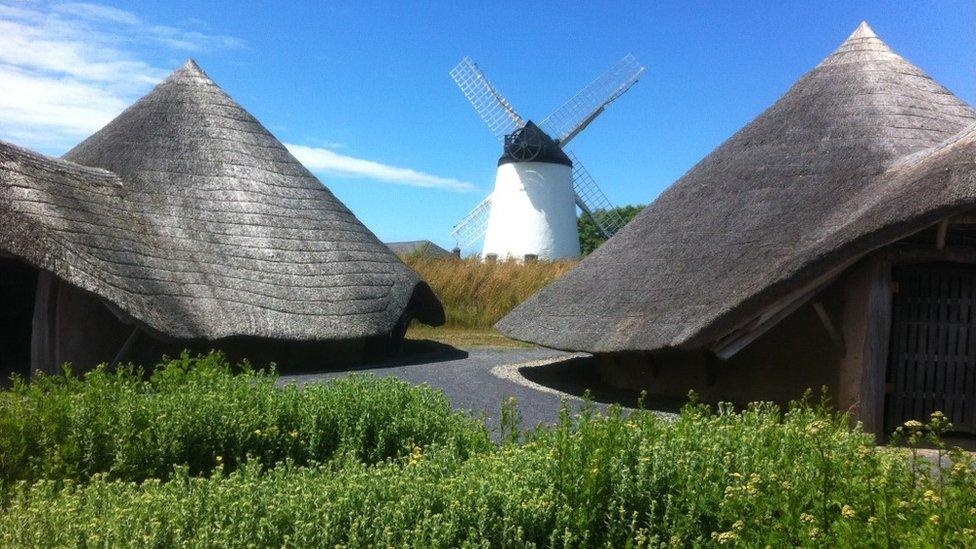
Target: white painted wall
x=533, y=211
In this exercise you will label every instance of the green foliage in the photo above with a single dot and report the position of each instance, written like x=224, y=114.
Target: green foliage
x=590, y=237
x=477, y=294
x=758, y=477
x=196, y=413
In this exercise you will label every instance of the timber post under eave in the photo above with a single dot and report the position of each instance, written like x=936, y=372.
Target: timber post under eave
x=876, y=349
x=867, y=327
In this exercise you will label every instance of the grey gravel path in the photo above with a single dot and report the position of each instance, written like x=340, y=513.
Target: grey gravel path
x=469, y=383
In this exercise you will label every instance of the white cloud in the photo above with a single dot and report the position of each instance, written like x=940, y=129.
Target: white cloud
x=323, y=160
x=69, y=68
x=53, y=112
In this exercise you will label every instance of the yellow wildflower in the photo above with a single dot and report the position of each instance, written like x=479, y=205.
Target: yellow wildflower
x=816, y=426
x=848, y=512
x=416, y=455
x=726, y=537
x=931, y=497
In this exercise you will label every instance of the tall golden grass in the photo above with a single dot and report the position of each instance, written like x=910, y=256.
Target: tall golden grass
x=478, y=294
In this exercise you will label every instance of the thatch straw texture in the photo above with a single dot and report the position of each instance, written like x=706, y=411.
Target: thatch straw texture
x=201, y=225
x=861, y=151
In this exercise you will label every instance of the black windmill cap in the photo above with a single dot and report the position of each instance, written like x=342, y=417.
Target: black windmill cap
x=530, y=144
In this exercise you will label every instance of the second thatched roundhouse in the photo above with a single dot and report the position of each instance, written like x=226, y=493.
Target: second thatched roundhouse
x=185, y=223
x=419, y=248
x=829, y=242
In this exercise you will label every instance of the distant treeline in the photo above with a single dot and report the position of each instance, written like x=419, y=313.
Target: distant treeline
x=590, y=237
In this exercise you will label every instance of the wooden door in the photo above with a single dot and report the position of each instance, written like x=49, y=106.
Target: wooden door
x=932, y=360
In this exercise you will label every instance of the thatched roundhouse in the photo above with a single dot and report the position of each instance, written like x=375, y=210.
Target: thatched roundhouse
x=828, y=242
x=185, y=223
x=421, y=248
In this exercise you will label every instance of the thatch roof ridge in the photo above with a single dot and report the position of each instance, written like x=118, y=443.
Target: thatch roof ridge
x=215, y=229
x=748, y=224
x=862, y=45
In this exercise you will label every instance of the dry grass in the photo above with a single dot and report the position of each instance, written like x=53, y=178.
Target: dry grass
x=464, y=338
x=478, y=294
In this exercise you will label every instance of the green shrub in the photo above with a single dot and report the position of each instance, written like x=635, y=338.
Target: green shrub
x=755, y=478
x=197, y=413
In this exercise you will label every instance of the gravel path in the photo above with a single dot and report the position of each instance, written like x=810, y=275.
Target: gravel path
x=478, y=380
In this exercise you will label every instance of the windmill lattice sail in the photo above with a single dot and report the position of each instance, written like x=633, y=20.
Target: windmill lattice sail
x=572, y=117
x=472, y=226
x=493, y=108
x=591, y=200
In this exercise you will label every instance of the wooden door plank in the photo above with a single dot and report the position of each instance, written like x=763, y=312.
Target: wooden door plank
x=932, y=362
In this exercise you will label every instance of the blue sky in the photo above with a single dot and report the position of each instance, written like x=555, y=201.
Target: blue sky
x=364, y=88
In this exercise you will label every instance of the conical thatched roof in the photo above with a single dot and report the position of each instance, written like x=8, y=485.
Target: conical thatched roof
x=861, y=151
x=201, y=225
x=423, y=248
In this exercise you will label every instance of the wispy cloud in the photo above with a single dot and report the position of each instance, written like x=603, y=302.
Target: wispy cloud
x=323, y=160
x=96, y=12
x=68, y=68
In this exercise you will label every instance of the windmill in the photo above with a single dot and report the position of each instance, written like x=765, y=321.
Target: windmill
x=538, y=186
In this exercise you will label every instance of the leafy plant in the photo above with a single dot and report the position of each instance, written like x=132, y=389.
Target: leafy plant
x=197, y=413
x=755, y=477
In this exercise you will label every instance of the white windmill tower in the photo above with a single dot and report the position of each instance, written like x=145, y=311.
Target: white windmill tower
x=532, y=209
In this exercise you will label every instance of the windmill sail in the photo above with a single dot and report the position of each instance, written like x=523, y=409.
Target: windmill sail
x=493, y=108
x=592, y=201
x=572, y=117
x=472, y=226
x=563, y=125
